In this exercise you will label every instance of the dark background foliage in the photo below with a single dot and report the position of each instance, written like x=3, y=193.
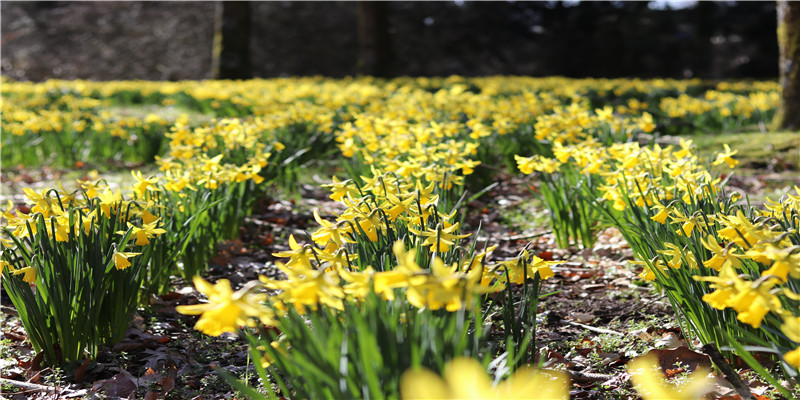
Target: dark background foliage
x=174, y=40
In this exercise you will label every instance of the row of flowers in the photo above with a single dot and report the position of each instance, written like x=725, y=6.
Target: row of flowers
x=78, y=263
x=731, y=270
x=391, y=283
x=70, y=121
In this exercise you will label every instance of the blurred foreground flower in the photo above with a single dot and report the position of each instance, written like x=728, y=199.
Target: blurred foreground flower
x=651, y=385
x=465, y=378
x=226, y=310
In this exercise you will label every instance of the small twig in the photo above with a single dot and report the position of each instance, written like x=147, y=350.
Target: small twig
x=525, y=236
x=493, y=168
x=728, y=371
x=593, y=329
x=588, y=376
x=9, y=310
x=27, y=386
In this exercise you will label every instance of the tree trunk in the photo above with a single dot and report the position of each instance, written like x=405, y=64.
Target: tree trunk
x=374, y=45
x=231, y=59
x=788, y=116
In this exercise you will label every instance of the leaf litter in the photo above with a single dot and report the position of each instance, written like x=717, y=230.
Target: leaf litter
x=599, y=317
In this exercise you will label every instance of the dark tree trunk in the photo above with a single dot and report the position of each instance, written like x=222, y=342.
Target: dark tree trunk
x=788, y=116
x=231, y=58
x=374, y=44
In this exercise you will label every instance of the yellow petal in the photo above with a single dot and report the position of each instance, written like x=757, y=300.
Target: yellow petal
x=423, y=384
x=467, y=379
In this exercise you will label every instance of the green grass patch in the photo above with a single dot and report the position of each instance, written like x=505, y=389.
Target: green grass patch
x=769, y=163
x=170, y=113
x=756, y=150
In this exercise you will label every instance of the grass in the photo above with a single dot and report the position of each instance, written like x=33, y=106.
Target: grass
x=770, y=160
x=526, y=216
x=170, y=113
x=15, y=179
x=756, y=150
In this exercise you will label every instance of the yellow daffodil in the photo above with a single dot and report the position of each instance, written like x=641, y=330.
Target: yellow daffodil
x=720, y=255
x=226, y=310
x=662, y=214
x=726, y=157
x=651, y=385
x=793, y=357
x=121, y=259
x=30, y=274
x=465, y=378
x=298, y=256
x=43, y=202
x=518, y=267
x=142, y=185
x=144, y=233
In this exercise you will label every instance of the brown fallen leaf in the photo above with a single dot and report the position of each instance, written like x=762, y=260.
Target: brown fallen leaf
x=151, y=395
x=169, y=381
x=150, y=376
x=13, y=336
x=546, y=255
x=36, y=378
x=36, y=363
x=171, y=296
x=131, y=346
x=691, y=360
x=669, y=340
x=81, y=371
x=167, y=384
x=581, y=317
x=120, y=385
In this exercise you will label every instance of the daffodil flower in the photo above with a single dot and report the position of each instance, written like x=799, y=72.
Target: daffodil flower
x=144, y=233
x=662, y=214
x=720, y=255
x=30, y=274
x=298, y=256
x=142, y=185
x=675, y=254
x=726, y=157
x=43, y=202
x=121, y=259
x=109, y=201
x=465, y=378
x=226, y=310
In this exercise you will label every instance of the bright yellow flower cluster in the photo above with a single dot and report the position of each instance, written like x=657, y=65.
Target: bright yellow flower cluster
x=643, y=175
x=67, y=214
x=329, y=272
x=226, y=310
x=429, y=152
x=451, y=287
x=385, y=199
x=773, y=247
x=64, y=107
x=231, y=150
x=577, y=122
x=438, y=286
x=722, y=104
x=384, y=122
x=756, y=257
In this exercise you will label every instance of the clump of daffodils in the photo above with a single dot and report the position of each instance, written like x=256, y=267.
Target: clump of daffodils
x=69, y=214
